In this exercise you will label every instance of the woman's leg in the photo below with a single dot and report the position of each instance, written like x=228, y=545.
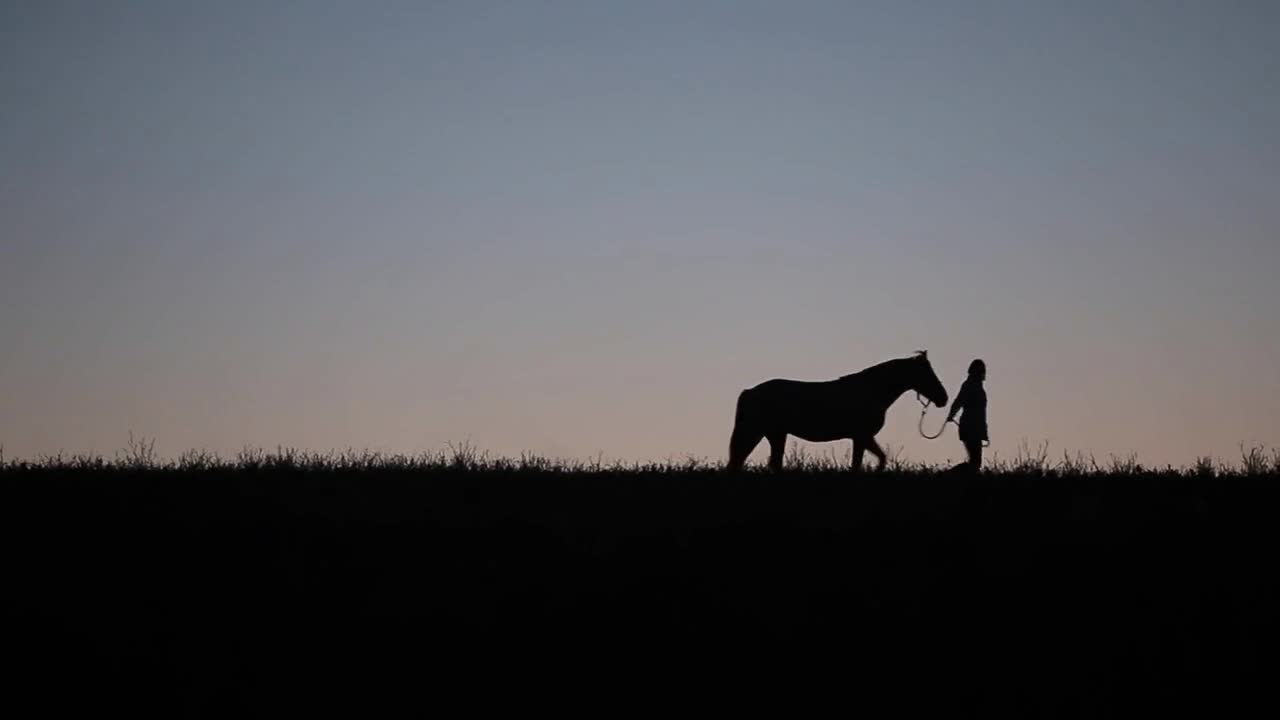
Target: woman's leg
x=975, y=460
x=975, y=454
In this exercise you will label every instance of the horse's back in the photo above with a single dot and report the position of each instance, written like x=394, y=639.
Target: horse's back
x=794, y=406
x=783, y=386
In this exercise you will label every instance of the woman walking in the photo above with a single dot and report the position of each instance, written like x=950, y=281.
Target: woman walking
x=971, y=403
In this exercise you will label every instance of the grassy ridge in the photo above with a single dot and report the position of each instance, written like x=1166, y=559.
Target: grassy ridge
x=209, y=588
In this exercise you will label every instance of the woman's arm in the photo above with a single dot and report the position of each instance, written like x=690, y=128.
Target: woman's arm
x=961, y=398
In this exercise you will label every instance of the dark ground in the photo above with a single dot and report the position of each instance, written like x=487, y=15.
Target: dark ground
x=232, y=592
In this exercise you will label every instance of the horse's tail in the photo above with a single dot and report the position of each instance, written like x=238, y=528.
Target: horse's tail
x=745, y=436
x=739, y=410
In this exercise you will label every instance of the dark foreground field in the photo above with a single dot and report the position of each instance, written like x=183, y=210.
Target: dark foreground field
x=226, y=592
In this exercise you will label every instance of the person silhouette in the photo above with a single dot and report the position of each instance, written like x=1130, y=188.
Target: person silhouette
x=971, y=403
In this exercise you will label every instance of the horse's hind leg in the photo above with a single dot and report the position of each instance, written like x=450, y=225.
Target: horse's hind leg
x=875, y=449
x=777, y=444
x=741, y=443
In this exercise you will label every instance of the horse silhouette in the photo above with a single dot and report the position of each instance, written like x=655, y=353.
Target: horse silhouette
x=851, y=407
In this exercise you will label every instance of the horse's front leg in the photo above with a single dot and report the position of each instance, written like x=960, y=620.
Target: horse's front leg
x=875, y=449
x=858, y=451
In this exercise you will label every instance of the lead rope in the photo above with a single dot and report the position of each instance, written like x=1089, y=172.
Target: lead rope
x=924, y=408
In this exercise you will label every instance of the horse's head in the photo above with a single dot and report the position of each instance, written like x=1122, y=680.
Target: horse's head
x=925, y=381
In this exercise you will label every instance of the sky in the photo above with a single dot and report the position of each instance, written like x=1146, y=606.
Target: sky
x=579, y=229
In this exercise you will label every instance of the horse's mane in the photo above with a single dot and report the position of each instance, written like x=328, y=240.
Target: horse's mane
x=876, y=370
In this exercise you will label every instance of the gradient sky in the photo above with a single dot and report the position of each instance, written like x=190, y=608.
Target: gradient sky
x=582, y=227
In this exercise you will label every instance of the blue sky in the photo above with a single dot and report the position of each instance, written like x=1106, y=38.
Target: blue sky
x=583, y=227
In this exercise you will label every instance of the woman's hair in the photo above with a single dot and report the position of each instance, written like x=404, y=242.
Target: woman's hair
x=977, y=367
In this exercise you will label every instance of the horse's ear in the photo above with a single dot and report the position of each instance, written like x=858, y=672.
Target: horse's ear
x=922, y=354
